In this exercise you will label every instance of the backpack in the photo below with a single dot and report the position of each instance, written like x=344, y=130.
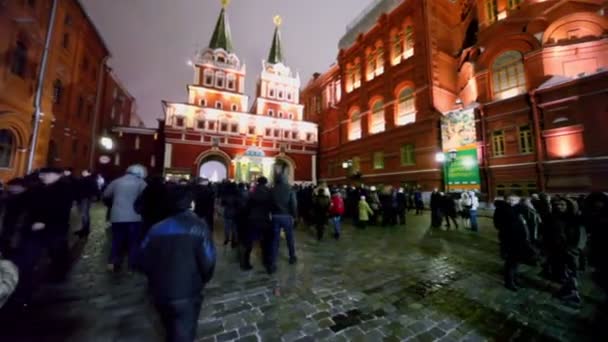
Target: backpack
x=337, y=206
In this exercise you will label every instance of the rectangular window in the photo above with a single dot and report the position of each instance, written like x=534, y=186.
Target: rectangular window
x=491, y=10
x=179, y=121
x=224, y=127
x=378, y=158
x=200, y=124
x=498, y=143
x=268, y=132
x=286, y=135
x=234, y=128
x=251, y=130
x=19, y=62
x=356, y=164
x=525, y=140
x=211, y=126
x=408, y=157
x=277, y=133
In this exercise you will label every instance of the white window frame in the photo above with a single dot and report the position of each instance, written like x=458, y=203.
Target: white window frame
x=206, y=74
x=406, y=108
x=231, y=82
x=355, y=129
x=378, y=122
x=220, y=79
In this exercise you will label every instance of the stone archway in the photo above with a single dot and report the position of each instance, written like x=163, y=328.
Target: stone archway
x=284, y=165
x=18, y=132
x=213, y=165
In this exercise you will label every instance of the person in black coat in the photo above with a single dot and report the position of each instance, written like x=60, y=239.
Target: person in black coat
x=48, y=209
x=401, y=198
x=259, y=209
x=14, y=206
x=448, y=208
x=86, y=192
x=178, y=257
x=153, y=203
x=230, y=196
x=436, y=209
x=204, y=203
x=514, y=240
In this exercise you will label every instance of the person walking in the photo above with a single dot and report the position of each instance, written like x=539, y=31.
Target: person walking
x=364, y=212
x=126, y=222
x=204, y=202
x=418, y=201
x=448, y=207
x=436, y=200
x=14, y=214
x=336, y=211
x=153, y=203
x=465, y=204
x=87, y=191
x=48, y=208
x=178, y=257
x=321, y=204
x=284, y=211
x=230, y=194
x=513, y=238
x=401, y=199
x=473, y=212
x=259, y=225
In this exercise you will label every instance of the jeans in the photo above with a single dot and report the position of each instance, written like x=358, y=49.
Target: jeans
x=336, y=221
x=180, y=318
x=474, y=226
x=230, y=229
x=125, y=233
x=85, y=213
x=30, y=251
x=286, y=223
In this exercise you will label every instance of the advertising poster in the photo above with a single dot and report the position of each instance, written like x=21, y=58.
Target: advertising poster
x=458, y=134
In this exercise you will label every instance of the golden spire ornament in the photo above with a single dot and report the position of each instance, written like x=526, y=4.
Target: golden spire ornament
x=277, y=20
x=225, y=3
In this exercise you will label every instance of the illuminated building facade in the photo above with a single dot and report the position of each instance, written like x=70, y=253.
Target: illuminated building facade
x=531, y=74
x=217, y=126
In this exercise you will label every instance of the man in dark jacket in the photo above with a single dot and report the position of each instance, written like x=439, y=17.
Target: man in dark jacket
x=204, y=203
x=14, y=208
x=48, y=217
x=86, y=191
x=284, y=211
x=514, y=239
x=258, y=209
x=436, y=209
x=321, y=204
x=178, y=257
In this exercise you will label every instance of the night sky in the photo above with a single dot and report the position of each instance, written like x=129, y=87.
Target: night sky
x=152, y=40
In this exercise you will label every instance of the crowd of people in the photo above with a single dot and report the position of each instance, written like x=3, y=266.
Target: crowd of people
x=165, y=228
x=554, y=232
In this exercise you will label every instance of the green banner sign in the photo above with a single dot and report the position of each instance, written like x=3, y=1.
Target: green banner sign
x=463, y=173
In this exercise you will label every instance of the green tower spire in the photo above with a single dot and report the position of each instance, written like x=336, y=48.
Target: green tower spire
x=221, y=35
x=276, y=53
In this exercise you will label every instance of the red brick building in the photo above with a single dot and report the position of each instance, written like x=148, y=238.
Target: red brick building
x=530, y=72
x=216, y=125
x=69, y=93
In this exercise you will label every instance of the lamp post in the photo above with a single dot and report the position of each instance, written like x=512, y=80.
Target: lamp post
x=446, y=159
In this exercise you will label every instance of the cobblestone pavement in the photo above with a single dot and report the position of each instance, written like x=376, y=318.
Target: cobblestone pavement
x=381, y=284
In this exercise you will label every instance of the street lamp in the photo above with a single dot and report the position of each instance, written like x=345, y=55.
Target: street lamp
x=106, y=142
x=447, y=160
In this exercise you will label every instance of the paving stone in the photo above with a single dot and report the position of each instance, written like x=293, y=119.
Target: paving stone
x=248, y=338
x=210, y=328
x=306, y=339
x=231, y=335
x=244, y=331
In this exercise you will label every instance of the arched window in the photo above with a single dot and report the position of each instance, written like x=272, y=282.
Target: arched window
x=57, y=91
x=219, y=105
x=219, y=79
x=508, y=76
x=377, y=119
x=7, y=148
x=397, y=47
x=409, y=42
x=379, y=59
x=19, y=64
x=406, y=107
x=371, y=64
x=231, y=80
x=203, y=102
x=354, y=127
x=208, y=78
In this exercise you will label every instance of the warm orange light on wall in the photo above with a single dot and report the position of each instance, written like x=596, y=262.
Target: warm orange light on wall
x=565, y=142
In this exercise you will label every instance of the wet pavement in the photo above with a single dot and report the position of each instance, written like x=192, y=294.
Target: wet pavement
x=382, y=284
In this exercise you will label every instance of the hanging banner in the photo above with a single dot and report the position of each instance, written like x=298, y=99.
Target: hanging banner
x=458, y=133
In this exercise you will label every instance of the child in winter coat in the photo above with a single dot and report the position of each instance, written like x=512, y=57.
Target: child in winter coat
x=364, y=212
